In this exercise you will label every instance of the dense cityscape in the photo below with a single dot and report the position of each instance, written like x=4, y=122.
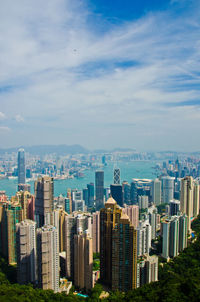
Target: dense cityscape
x=99, y=151
x=109, y=235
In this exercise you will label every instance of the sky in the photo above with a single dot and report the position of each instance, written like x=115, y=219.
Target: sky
x=100, y=73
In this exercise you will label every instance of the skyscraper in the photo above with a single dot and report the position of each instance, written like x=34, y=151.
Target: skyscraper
x=116, y=193
x=109, y=216
x=99, y=189
x=48, y=258
x=83, y=260
x=156, y=191
x=124, y=255
x=96, y=232
x=21, y=167
x=116, y=177
x=72, y=223
x=167, y=188
x=44, y=194
x=187, y=194
x=26, y=252
x=133, y=214
x=90, y=187
x=126, y=188
x=12, y=214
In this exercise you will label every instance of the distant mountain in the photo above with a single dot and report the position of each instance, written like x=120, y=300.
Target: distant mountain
x=114, y=150
x=48, y=149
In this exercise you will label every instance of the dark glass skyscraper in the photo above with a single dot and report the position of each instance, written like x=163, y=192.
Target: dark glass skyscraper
x=90, y=194
x=99, y=188
x=116, y=193
x=21, y=167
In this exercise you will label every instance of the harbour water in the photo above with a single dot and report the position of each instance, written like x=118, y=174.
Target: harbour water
x=129, y=170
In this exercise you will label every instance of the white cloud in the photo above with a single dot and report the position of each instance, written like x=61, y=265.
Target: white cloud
x=19, y=118
x=2, y=116
x=4, y=128
x=65, y=75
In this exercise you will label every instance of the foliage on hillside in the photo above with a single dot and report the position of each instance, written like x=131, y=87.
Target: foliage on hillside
x=179, y=281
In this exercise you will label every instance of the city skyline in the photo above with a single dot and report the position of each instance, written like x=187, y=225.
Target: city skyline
x=129, y=70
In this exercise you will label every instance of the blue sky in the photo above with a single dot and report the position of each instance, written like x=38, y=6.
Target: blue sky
x=100, y=73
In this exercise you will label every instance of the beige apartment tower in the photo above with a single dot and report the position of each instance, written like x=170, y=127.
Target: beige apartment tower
x=96, y=232
x=83, y=260
x=48, y=258
x=26, y=252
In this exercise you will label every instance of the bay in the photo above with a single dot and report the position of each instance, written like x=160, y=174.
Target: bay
x=129, y=170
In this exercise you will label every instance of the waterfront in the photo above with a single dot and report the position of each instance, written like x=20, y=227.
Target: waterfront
x=129, y=170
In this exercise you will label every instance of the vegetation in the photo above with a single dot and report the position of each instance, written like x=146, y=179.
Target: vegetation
x=96, y=261
x=161, y=208
x=179, y=280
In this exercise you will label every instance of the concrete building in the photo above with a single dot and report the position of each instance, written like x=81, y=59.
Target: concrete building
x=156, y=191
x=99, y=189
x=12, y=214
x=26, y=252
x=73, y=222
x=48, y=258
x=109, y=216
x=83, y=260
x=174, y=233
x=174, y=207
x=167, y=189
x=143, y=202
x=44, y=196
x=153, y=217
x=124, y=255
x=96, y=232
x=147, y=270
x=143, y=238
x=21, y=167
x=133, y=214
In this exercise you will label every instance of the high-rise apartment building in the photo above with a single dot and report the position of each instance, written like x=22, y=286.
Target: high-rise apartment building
x=174, y=233
x=21, y=167
x=124, y=255
x=26, y=252
x=27, y=202
x=156, y=191
x=143, y=238
x=99, y=189
x=96, y=232
x=174, y=207
x=44, y=195
x=12, y=214
x=59, y=222
x=196, y=199
x=83, y=260
x=167, y=188
x=72, y=223
x=147, y=270
x=48, y=258
x=153, y=217
x=133, y=214
x=109, y=216
x=143, y=201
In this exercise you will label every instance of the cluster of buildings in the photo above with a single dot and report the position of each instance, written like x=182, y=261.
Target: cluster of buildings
x=55, y=237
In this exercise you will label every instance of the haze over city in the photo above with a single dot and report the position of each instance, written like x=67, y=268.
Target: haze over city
x=100, y=73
